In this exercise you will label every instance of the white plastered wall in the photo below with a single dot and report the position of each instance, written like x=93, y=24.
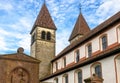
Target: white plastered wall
x=69, y=57
x=108, y=72
x=112, y=36
x=82, y=51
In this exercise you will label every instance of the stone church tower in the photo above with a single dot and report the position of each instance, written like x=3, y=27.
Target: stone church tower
x=43, y=39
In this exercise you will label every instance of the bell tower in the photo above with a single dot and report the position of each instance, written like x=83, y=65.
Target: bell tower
x=43, y=40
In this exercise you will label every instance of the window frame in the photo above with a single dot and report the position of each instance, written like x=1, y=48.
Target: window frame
x=56, y=65
x=77, y=76
x=48, y=36
x=65, y=78
x=64, y=61
x=93, y=69
x=33, y=38
x=89, y=50
x=77, y=56
x=56, y=80
x=43, y=35
x=104, y=42
x=98, y=70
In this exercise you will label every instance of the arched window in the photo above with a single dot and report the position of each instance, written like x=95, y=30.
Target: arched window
x=56, y=80
x=48, y=36
x=78, y=76
x=117, y=67
x=96, y=69
x=65, y=78
x=43, y=34
x=77, y=56
x=104, y=42
x=89, y=50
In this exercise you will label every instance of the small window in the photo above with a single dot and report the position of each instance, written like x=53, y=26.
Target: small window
x=33, y=38
x=56, y=64
x=89, y=47
x=98, y=70
x=48, y=36
x=64, y=61
x=66, y=79
x=79, y=77
x=43, y=34
x=104, y=42
x=77, y=54
x=56, y=80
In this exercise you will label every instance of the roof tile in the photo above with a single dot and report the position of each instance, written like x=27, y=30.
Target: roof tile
x=81, y=27
x=44, y=19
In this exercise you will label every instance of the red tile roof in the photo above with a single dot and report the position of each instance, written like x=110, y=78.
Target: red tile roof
x=44, y=19
x=81, y=27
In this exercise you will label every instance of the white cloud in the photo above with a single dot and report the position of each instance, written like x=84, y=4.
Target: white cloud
x=108, y=7
x=6, y=6
x=104, y=9
x=3, y=45
x=25, y=42
x=61, y=40
x=63, y=12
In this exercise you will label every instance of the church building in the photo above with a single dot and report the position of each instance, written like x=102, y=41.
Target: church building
x=93, y=56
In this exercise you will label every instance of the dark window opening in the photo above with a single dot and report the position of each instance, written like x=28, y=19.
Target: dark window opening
x=104, y=42
x=77, y=56
x=64, y=61
x=89, y=50
x=56, y=66
x=33, y=38
x=43, y=34
x=79, y=77
x=56, y=80
x=66, y=79
x=98, y=71
x=48, y=36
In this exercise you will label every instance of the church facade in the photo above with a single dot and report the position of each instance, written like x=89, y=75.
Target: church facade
x=18, y=68
x=91, y=53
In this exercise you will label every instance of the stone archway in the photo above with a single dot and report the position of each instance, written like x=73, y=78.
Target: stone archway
x=19, y=75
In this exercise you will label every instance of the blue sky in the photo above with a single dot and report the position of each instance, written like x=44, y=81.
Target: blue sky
x=17, y=18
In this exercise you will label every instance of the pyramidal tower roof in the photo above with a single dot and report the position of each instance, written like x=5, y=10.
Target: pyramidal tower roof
x=44, y=19
x=81, y=27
